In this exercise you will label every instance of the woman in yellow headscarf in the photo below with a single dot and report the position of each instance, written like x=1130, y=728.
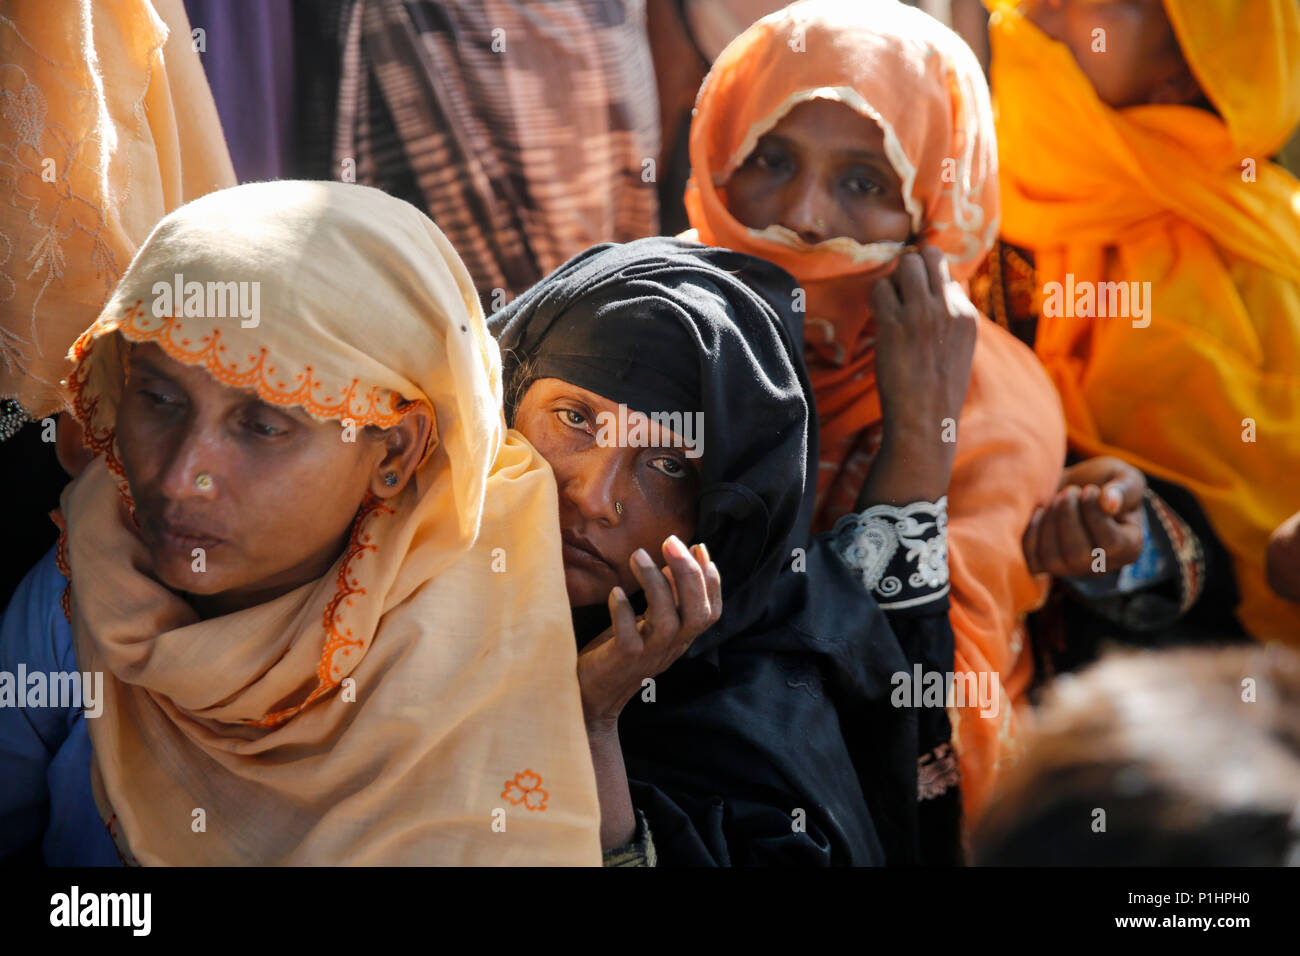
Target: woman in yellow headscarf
x=829, y=138
x=314, y=572
x=1158, y=251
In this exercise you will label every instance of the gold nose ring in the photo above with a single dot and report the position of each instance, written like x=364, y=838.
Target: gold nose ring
x=203, y=482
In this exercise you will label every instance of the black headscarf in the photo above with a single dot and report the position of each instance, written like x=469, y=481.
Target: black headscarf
x=783, y=706
x=663, y=325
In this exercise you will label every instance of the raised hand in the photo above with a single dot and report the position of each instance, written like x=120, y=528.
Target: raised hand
x=684, y=599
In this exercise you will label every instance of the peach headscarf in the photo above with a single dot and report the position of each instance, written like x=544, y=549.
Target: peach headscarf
x=922, y=84
x=106, y=124
x=1204, y=391
x=423, y=692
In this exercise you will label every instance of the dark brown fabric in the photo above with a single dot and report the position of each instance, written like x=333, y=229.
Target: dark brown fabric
x=526, y=130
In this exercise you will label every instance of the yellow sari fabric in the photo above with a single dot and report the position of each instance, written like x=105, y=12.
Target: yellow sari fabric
x=1204, y=389
x=106, y=125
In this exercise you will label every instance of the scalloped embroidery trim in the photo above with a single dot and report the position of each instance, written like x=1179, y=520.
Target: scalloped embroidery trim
x=338, y=639
x=259, y=372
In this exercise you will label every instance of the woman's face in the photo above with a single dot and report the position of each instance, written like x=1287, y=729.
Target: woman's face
x=283, y=490
x=1135, y=59
x=821, y=172
x=657, y=486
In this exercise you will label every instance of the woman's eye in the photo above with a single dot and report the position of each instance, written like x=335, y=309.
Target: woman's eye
x=157, y=399
x=670, y=467
x=573, y=418
x=262, y=429
x=773, y=160
x=862, y=185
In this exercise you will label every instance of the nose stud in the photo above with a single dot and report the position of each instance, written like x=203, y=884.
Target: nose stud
x=203, y=482
x=618, y=507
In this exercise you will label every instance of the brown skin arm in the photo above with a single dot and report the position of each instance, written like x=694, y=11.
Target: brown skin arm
x=925, y=342
x=683, y=600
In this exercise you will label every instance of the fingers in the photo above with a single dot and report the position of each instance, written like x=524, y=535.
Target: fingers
x=1122, y=486
x=1049, y=548
x=883, y=299
x=661, y=610
x=692, y=594
x=1124, y=493
x=1101, y=530
x=912, y=278
x=712, y=581
x=1071, y=535
x=1030, y=541
x=1062, y=538
x=627, y=639
x=936, y=268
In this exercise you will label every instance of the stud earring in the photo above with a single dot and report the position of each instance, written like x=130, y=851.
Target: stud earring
x=390, y=479
x=203, y=482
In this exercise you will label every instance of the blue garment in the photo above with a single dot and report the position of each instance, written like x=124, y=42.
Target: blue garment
x=45, y=751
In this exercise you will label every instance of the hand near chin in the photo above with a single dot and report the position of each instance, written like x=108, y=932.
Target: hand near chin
x=684, y=599
x=925, y=343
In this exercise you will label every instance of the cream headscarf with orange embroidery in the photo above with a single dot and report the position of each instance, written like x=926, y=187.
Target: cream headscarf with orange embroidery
x=1204, y=391
x=922, y=84
x=464, y=679
x=106, y=125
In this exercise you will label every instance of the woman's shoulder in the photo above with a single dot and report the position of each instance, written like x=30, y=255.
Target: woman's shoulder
x=34, y=629
x=1001, y=357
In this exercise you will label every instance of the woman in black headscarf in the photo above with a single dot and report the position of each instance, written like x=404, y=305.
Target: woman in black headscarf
x=753, y=713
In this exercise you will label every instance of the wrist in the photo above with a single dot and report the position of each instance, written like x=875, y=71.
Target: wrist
x=602, y=729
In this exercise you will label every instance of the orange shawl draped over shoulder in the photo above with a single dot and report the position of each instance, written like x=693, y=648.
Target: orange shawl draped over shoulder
x=106, y=125
x=922, y=84
x=1203, y=390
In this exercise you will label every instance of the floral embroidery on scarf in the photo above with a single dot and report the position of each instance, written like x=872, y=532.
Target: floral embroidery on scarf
x=339, y=642
x=526, y=788
x=61, y=562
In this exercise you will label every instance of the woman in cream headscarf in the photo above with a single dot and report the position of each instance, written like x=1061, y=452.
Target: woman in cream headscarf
x=1135, y=142
x=315, y=571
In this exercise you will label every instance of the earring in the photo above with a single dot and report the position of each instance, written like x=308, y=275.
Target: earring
x=390, y=479
x=203, y=482
x=618, y=506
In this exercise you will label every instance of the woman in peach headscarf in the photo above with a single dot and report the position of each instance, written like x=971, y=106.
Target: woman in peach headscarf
x=1135, y=141
x=828, y=138
x=315, y=573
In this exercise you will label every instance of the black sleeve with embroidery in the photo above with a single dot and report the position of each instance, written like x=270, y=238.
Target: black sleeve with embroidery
x=901, y=557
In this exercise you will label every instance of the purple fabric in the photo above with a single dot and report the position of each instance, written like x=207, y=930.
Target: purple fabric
x=249, y=64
